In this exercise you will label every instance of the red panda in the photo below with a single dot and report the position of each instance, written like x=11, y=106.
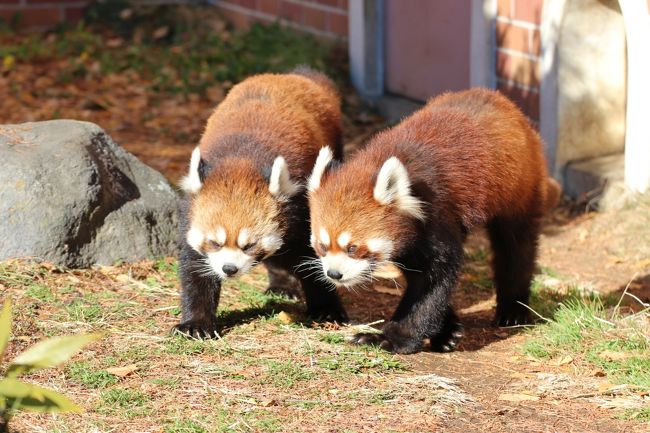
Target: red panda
x=412, y=194
x=245, y=202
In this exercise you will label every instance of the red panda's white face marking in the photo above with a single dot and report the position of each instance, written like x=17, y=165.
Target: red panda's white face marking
x=349, y=262
x=235, y=217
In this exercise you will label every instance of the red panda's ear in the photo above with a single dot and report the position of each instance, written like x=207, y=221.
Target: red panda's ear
x=394, y=187
x=192, y=183
x=280, y=183
x=325, y=156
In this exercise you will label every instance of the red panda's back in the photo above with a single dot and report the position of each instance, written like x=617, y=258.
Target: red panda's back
x=478, y=150
x=290, y=114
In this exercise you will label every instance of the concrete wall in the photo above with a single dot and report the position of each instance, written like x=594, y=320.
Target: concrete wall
x=591, y=81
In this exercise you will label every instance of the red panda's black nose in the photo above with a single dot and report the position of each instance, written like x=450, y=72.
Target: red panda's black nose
x=334, y=274
x=229, y=269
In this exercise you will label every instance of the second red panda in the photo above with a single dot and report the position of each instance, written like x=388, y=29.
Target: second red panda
x=245, y=200
x=411, y=196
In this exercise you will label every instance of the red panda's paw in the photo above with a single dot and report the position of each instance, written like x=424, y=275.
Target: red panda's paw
x=197, y=329
x=372, y=339
x=393, y=339
x=513, y=314
x=449, y=336
x=328, y=313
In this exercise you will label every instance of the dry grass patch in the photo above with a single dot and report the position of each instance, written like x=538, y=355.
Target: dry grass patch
x=265, y=373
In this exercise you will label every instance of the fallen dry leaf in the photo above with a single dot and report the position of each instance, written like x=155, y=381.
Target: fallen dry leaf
x=122, y=371
x=598, y=373
x=285, y=317
x=563, y=360
x=518, y=397
x=612, y=355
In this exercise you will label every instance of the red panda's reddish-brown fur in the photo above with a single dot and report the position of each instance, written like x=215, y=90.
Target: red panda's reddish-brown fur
x=472, y=158
x=491, y=163
x=265, y=122
x=295, y=116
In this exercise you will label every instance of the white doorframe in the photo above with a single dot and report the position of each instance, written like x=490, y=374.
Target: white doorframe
x=482, y=68
x=552, y=14
x=637, y=131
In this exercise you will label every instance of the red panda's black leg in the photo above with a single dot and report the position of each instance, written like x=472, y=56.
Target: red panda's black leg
x=199, y=296
x=514, y=243
x=323, y=303
x=200, y=289
x=282, y=282
x=424, y=311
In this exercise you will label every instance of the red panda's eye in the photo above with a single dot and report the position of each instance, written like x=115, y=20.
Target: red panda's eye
x=322, y=247
x=216, y=245
x=352, y=249
x=249, y=246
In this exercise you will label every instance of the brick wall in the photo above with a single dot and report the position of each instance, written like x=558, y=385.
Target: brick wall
x=41, y=14
x=325, y=18
x=518, y=52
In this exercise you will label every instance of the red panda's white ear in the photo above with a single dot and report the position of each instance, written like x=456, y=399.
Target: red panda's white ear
x=191, y=183
x=394, y=187
x=325, y=156
x=280, y=183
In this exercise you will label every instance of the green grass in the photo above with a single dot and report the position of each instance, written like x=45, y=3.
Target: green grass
x=358, y=360
x=125, y=402
x=286, y=374
x=86, y=309
x=190, y=58
x=90, y=376
x=40, y=292
x=184, y=426
x=595, y=336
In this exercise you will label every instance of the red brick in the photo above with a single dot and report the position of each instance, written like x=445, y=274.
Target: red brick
x=271, y=7
x=338, y=24
x=526, y=100
x=528, y=10
x=333, y=3
x=56, y=1
x=237, y=19
x=343, y=4
x=291, y=11
x=513, y=37
x=315, y=18
x=10, y=2
x=248, y=4
x=34, y=17
x=519, y=69
x=504, y=9
x=73, y=14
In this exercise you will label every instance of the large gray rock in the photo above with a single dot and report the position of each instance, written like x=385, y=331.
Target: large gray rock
x=70, y=195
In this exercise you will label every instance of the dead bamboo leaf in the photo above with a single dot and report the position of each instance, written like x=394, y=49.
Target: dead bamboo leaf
x=518, y=397
x=562, y=360
x=122, y=371
x=612, y=355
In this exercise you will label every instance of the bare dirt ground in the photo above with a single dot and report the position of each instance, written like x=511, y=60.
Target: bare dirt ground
x=271, y=371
